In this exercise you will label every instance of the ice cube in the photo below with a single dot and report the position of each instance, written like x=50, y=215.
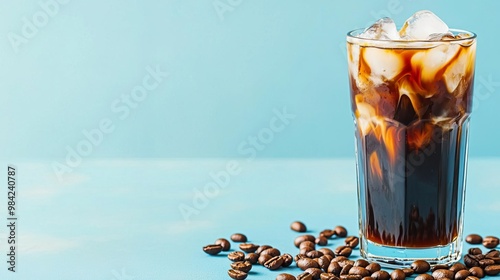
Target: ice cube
x=422, y=25
x=384, y=64
x=441, y=36
x=460, y=66
x=383, y=29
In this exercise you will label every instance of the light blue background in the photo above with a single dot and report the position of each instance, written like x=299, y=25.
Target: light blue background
x=227, y=74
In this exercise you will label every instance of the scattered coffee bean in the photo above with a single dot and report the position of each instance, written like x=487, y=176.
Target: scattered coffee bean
x=345, y=270
x=307, y=263
x=321, y=241
x=470, y=260
x=236, y=256
x=244, y=266
x=408, y=272
x=248, y=247
x=475, y=251
x=334, y=268
x=273, y=252
x=339, y=258
x=490, y=242
x=443, y=273
x=424, y=277
x=368, y=278
x=345, y=262
x=327, y=251
x=314, y=254
x=439, y=266
x=273, y=263
x=462, y=274
x=212, y=249
x=302, y=238
x=472, y=278
x=252, y=258
x=262, y=248
x=373, y=267
x=323, y=262
x=457, y=267
x=473, y=239
x=476, y=271
x=358, y=270
x=237, y=275
x=492, y=270
x=226, y=245
x=328, y=233
x=263, y=259
x=307, y=244
x=239, y=237
x=361, y=263
x=298, y=226
x=304, y=276
x=340, y=231
x=420, y=266
x=299, y=256
x=381, y=275
x=328, y=276
x=350, y=277
x=352, y=241
x=305, y=250
x=287, y=260
x=285, y=276
x=344, y=251
x=492, y=254
x=315, y=272
x=486, y=262
x=398, y=274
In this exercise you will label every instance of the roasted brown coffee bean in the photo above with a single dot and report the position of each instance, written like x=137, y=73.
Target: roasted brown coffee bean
x=345, y=251
x=373, y=267
x=262, y=248
x=340, y=231
x=457, y=267
x=470, y=260
x=305, y=250
x=462, y=274
x=352, y=241
x=328, y=276
x=334, y=268
x=212, y=249
x=439, y=266
x=420, y=266
x=302, y=238
x=314, y=254
x=345, y=270
x=472, y=278
x=273, y=263
x=239, y=237
x=345, y=262
x=381, y=275
x=424, y=277
x=475, y=251
x=486, y=262
x=236, y=256
x=263, y=259
x=307, y=263
x=236, y=274
x=327, y=251
x=408, y=271
x=398, y=274
x=285, y=276
x=244, y=266
x=328, y=233
x=315, y=272
x=252, y=258
x=306, y=244
x=287, y=260
x=358, y=270
x=323, y=262
x=350, y=277
x=298, y=226
x=226, y=245
x=339, y=258
x=248, y=247
x=490, y=242
x=443, y=273
x=299, y=256
x=361, y=263
x=368, y=278
x=492, y=270
x=321, y=241
x=273, y=252
x=492, y=254
x=304, y=276
x=476, y=271
x=473, y=239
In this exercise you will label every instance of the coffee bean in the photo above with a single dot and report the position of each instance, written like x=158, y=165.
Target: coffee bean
x=273, y=263
x=439, y=266
x=236, y=274
x=298, y=226
x=252, y=258
x=352, y=241
x=373, y=267
x=424, y=277
x=307, y=263
x=361, y=263
x=287, y=260
x=492, y=254
x=285, y=276
x=314, y=254
x=299, y=256
x=345, y=270
x=328, y=233
x=473, y=239
x=346, y=262
x=323, y=262
x=263, y=259
x=490, y=242
x=262, y=248
x=236, y=256
x=226, y=245
x=345, y=251
x=328, y=276
x=457, y=267
x=340, y=231
x=476, y=271
x=321, y=240
x=358, y=270
x=334, y=268
x=443, y=273
x=248, y=247
x=462, y=275
x=273, y=252
x=305, y=250
x=470, y=260
x=420, y=266
x=381, y=275
x=350, y=277
x=239, y=237
x=304, y=276
x=339, y=258
x=486, y=262
x=306, y=244
x=330, y=258
x=244, y=266
x=315, y=272
x=475, y=251
x=408, y=272
x=472, y=278
x=398, y=274
x=212, y=249
x=367, y=278
x=302, y=238
x=492, y=270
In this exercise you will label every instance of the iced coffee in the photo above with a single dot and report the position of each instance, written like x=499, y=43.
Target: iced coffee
x=411, y=93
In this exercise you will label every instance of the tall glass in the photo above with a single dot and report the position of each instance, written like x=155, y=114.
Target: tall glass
x=411, y=102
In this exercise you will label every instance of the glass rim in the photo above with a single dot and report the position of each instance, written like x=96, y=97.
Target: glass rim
x=352, y=37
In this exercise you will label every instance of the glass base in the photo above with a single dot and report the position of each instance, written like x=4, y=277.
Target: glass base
x=397, y=257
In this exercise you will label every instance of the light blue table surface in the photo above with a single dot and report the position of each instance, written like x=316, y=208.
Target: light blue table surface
x=121, y=219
